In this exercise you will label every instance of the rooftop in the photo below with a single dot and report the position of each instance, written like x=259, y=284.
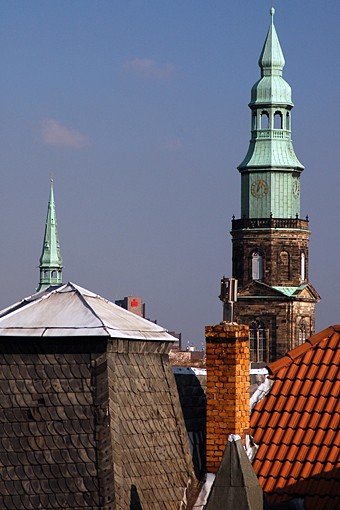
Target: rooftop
x=297, y=425
x=70, y=310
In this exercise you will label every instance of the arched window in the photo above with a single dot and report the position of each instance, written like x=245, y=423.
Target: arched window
x=287, y=121
x=54, y=274
x=256, y=266
x=303, y=267
x=258, y=336
x=264, y=120
x=46, y=273
x=278, y=120
x=284, y=266
x=302, y=332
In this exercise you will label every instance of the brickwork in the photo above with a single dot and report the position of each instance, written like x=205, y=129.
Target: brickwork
x=228, y=381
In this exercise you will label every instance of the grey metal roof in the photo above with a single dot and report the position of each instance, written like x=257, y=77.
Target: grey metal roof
x=70, y=310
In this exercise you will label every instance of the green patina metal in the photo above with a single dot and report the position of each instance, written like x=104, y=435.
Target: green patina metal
x=289, y=291
x=51, y=263
x=270, y=172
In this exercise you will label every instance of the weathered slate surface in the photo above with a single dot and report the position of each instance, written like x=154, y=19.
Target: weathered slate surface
x=90, y=423
x=47, y=426
x=191, y=386
x=152, y=461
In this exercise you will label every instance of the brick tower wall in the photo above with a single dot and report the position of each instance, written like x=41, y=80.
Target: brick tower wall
x=228, y=381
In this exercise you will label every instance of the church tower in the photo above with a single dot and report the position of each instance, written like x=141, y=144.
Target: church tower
x=270, y=240
x=51, y=263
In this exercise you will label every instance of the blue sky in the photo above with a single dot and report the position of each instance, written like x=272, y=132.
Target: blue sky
x=138, y=108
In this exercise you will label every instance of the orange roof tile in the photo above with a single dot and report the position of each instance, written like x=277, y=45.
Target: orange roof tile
x=297, y=425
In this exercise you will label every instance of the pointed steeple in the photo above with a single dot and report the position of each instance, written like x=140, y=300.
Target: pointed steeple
x=271, y=171
x=51, y=263
x=271, y=60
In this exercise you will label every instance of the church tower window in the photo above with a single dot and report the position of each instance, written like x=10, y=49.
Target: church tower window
x=287, y=121
x=258, y=336
x=303, y=267
x=302, y=333
x=264, y=120
x=254, y=124
x=278, y=120
x=256, y=266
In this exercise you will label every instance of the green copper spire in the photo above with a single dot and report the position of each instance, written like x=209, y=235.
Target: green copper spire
x=51, y=263
x=271, y=60
x=270, y=172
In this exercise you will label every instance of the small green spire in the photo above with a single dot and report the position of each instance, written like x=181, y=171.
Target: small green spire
x=51, y=263
x=271, y=60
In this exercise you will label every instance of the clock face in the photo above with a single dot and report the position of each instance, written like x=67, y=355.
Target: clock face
x=259, y=188
x=296, y=186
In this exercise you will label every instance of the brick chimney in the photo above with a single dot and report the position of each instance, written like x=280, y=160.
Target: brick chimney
x=228, y=382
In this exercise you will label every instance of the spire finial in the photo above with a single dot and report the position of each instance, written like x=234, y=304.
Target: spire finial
x=272, y=12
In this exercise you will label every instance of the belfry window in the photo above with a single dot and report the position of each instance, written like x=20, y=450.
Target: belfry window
x=254, y=121
x=264, y=120
x=287, y=121
x=278, y=120
x=258, y=336
x=256, y=266
x=303, y=267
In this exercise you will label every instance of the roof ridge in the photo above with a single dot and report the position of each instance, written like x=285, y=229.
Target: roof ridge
x=88, y=306
x=296, y=353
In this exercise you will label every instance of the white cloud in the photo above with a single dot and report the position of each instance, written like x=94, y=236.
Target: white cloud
x=173, y=144
x=54, y=133
x=148, y=68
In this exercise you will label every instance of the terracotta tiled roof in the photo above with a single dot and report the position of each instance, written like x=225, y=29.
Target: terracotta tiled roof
x=297, y=425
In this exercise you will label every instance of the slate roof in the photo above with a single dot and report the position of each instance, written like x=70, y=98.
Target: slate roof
x=297, y=425
x=88, y=419
x=70, y=310
x=191, y=386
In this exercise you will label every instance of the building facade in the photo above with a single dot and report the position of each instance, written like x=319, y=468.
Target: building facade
x=270, y=240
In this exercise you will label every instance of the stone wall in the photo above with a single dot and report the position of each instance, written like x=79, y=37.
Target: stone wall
x=273, y=245
x=281, y=318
